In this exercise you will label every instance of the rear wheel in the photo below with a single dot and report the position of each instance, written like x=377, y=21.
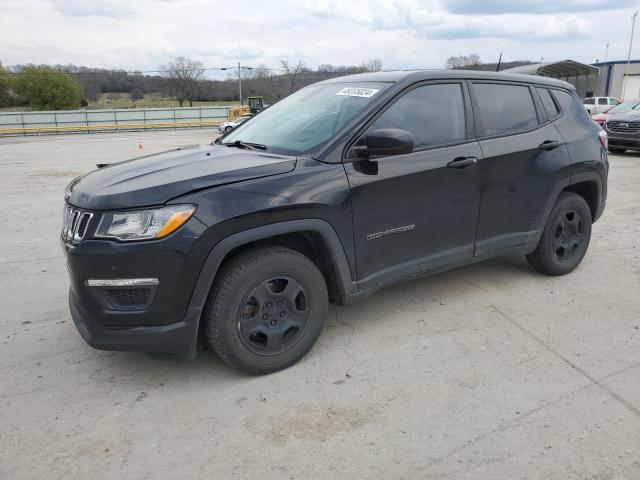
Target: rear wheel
x=266, y=310
x=228, y=129
x=617, y=150
x=565, y=238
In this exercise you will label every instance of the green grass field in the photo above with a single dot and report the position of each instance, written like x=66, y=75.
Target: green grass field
x=123, y=100
x=150, y=100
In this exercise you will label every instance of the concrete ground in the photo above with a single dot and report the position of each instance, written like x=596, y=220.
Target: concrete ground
x=487, y=372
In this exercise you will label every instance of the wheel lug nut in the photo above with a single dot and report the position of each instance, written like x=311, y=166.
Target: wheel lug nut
x=279, y=302
x=264, y=317
x=268, y=304
x=274, y=321
x=282, y=314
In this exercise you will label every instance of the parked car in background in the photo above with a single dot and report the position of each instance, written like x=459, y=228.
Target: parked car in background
x=228, y=126
x=623, y=130
x=601, y=118
x=599, y=104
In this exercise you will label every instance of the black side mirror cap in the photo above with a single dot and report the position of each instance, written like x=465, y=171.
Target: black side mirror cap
x=384, y=142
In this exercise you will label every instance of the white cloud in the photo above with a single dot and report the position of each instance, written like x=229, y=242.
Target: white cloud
x=144, y=34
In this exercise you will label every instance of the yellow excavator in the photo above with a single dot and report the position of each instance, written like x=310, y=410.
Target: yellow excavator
x=254, y=105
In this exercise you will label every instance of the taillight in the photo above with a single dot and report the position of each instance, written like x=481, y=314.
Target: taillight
x=604, y=139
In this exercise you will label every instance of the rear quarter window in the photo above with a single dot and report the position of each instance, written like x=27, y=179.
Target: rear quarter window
x=505, y=109
x=571, y=107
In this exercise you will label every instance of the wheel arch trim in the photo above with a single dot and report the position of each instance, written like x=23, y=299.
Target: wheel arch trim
x=593, y=178
x=212, y=264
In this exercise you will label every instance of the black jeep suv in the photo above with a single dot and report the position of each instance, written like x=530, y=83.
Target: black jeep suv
x=340, y=189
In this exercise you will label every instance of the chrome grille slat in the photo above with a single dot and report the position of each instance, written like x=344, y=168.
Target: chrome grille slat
x=75, y=223
x=623, y=127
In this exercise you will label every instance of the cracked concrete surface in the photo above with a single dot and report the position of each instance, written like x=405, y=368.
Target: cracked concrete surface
x=487, y=372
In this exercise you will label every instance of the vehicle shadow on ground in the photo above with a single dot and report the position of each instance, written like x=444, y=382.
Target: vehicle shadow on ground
x=425, y=292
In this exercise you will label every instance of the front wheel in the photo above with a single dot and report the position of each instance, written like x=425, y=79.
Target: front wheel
x=266, y=310
x=228, y=129
x=565, y=238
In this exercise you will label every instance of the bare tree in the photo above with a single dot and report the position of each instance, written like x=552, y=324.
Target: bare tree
x=373, y=65
x=292, y=72
x=185, y=78
x=462, y=61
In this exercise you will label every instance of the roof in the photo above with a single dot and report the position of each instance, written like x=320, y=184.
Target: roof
x=615, y=62
x=419, y=75
x=563, y=69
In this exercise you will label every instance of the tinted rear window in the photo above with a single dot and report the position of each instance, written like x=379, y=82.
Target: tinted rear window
x=589, y=101
x=505, y=108
x=548, y=103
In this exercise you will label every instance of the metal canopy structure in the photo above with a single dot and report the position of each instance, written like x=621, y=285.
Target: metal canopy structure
x=563, y=69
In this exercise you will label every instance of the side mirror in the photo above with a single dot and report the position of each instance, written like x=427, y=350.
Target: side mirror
x=384, y=142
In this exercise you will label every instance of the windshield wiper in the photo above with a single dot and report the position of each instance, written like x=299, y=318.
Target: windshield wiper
x=246, y=145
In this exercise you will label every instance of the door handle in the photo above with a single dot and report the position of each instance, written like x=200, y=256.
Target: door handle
x=463, y=162
x=549, y=145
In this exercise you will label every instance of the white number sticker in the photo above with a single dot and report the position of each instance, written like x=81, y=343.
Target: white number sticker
x=358, y=92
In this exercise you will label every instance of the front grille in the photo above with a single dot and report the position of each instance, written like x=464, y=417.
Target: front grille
x=624, y=127
x=75, y=223
x=129, y=297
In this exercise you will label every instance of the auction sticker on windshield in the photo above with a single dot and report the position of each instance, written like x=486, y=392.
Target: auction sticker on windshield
x=359, y=92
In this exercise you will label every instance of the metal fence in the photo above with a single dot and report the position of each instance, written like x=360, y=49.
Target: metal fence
x=73, y=121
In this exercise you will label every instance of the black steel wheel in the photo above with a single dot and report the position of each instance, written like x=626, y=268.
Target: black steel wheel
x=266, y=309
x=568, y=235
x=565, y=238
x=273, y=316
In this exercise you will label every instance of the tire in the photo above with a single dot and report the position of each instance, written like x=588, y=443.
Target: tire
x=266, y=310
x=617, y=150
x=565, y=238
x=228, y=129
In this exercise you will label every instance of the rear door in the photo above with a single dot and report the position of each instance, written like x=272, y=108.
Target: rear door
x=417, y=211
x=524, y=159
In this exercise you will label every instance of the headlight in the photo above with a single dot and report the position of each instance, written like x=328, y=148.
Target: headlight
x=144, y=224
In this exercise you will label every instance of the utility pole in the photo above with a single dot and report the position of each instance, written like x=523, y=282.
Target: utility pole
x=626, y=74
x=606, y=53
x=240, y=84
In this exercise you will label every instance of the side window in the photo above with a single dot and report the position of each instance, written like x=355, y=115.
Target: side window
x=613, y=101
x=549, y=103
x=589, y=101
x=602, y=101
x=433, y=114
x=571, y=107
x=505, y=108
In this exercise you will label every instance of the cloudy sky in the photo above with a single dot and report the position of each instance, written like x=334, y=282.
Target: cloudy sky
x=143, y=34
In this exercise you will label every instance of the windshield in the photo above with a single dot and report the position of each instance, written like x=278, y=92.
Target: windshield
x=305, y=120
x=624, y=107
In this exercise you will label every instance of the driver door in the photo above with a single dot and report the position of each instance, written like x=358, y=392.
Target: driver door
x=417, y=211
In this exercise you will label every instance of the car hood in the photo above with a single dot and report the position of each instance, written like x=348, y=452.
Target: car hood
x=156, y=179
x=630, y=116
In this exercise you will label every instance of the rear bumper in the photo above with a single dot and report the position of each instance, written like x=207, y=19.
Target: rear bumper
x=627, y=141
x=174, y=339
